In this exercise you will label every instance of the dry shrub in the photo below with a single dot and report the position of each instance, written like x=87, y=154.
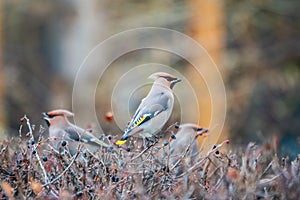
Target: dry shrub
x=30, y=169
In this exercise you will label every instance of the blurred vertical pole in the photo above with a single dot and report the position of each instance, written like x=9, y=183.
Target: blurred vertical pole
x=85, y=32
x=207, y=27
x=2, y=83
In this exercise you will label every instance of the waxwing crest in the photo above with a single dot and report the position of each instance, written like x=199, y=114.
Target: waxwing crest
x=60, y=112
x=161, y=75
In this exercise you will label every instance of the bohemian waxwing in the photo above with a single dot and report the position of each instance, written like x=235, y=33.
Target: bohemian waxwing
x=154, y=110
x=60, y=129
x=186, y=135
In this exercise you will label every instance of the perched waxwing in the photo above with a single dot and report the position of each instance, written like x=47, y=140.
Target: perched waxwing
x=154, y=110
x=187, y=135
x=62, y=131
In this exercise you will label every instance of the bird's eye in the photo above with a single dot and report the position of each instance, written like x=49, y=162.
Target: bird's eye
x=199, y=129
x=168, y=79
x=51, y=116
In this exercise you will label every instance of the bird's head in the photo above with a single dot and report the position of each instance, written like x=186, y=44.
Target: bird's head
x=57, y=116
x=198, y=130
x=165, y=78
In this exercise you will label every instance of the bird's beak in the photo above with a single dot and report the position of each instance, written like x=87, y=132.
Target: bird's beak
x=45, y=115
x=177, y=80
x=46, y=118
x=173, y=82
x=202, y=131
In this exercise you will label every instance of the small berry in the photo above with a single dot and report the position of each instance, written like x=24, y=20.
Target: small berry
x=121, y=163
x=109, y=137
x=151, y=174
x=27, y=135
x=32, y=142
x=166, y=143
x=128, y=149
x=217, y=152
x=227, y=141
x=214, y=146
x=173, y=136
x=111, y=149
x=33, y=151
x=109, y=163
x=177, y=126
x=63, y=143
x=79, y=194
x=114, y=179
x=109, y=116
x=22, y=119
x=45, y=158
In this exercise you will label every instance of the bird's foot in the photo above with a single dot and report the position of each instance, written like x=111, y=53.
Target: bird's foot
x=150, y=141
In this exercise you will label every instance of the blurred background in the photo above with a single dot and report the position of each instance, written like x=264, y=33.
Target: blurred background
x=255, y=44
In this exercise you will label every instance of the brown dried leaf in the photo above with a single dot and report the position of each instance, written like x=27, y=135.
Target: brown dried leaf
x=232, y=174
x=36, y=187
x=65, y=194
x=8, y=190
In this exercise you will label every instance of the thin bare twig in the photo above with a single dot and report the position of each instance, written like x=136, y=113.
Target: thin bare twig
x=184, y=153
x=198, y=164
x=36, y=154
x=142, y=152
x=67, y=168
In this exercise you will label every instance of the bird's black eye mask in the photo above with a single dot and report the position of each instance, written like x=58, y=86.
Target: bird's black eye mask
x=51, y=116
x=169, y=78
x=172, y=80
x=199, y=129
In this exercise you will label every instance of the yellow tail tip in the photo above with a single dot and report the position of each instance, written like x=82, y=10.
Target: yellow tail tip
x=120, y=142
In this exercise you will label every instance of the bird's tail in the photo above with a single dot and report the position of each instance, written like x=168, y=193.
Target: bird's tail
x=122, y=140
x=101, y=143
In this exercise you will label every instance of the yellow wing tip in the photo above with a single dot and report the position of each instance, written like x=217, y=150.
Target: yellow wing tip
x=120, y=142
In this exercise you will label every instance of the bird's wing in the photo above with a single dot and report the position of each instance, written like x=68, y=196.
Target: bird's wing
x=89, y=138
x=149, y=108
x=72, y=133
x=79, y=134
